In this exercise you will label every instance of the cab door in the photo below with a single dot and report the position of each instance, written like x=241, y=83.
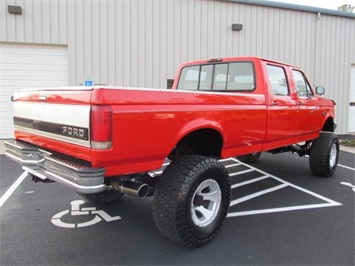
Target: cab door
x=282, y=108
x=309, y=115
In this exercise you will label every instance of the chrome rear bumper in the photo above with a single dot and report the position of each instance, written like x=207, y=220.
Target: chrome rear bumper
x=71, y=172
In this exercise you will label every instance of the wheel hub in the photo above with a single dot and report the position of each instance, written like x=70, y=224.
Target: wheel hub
x=205, y=203
x=198, y=201
x=333, y=155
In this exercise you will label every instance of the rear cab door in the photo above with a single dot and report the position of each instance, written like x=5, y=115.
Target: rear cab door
x=231, y=92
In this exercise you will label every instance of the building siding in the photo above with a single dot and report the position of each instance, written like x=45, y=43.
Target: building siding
x=142, y=42
x=31, y=66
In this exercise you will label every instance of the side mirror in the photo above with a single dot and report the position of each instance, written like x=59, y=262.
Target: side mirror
x=320, y=90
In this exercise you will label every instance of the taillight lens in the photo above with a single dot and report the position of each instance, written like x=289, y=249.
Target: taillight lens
x=101, y=127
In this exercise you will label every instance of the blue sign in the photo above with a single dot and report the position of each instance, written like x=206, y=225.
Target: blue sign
x=89, y=81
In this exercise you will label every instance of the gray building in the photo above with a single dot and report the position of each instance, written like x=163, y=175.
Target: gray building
x=142, y=43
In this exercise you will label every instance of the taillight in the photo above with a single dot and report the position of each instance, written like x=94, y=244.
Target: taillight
x=101, y=127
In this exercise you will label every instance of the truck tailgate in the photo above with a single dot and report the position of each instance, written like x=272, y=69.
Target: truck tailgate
x=62, y=114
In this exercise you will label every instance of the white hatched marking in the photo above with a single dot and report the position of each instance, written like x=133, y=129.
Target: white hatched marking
x=257, y=194
x=242, y=172
x=232, y=165
x=282, y=209
x=328, y=202
x=250, y=181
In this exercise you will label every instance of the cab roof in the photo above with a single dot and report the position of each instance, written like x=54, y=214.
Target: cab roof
x=231, y=59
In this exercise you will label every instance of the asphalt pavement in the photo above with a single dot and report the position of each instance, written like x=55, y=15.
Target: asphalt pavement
x=280, y=215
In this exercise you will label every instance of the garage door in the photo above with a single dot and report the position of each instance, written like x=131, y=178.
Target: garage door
x=26, y=66
x=351, y=127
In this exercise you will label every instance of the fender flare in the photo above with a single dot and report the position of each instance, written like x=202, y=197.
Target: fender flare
x=325, y=121
x=195, y=125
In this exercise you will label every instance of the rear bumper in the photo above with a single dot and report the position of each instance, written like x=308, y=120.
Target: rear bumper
x=71, y=172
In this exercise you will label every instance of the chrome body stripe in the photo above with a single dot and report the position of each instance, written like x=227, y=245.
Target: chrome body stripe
x=64, y=116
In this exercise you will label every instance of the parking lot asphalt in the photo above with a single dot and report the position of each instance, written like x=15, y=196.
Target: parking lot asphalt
x=280, y=215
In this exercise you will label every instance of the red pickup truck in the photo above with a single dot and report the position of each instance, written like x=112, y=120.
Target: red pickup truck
x=104, y=142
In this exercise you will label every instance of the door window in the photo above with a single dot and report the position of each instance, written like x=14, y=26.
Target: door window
x=278, y=81
x=302, y=86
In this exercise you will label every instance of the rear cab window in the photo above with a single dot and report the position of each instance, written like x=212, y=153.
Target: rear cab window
x=230, y=76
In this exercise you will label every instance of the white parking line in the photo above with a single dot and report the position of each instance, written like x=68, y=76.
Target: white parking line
x=327, y=203
x=250, y=181
x=11, y=190
x=282, y=209
x=241, y=172
x=257, y=194
x=231, y=165
x=347, y=167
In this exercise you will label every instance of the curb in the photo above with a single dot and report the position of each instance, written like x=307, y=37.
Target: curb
x=2, y=147
x=347, y=149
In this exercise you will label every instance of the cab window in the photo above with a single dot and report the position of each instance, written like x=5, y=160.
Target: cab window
x=220, y=77
x=241, y=77
x=206, y=72
x=302, y=86
x=278, y=81
x=189, y=78
x=233, y=76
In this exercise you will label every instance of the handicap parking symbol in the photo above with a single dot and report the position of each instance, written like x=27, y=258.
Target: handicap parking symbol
x=77, y=211
x=88, y=83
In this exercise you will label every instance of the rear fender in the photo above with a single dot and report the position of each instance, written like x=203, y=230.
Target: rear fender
x=195, y=126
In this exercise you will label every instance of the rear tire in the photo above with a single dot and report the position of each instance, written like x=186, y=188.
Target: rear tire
x=250, y=158
x=324, y=154
x=104, y=197
x=191, y=200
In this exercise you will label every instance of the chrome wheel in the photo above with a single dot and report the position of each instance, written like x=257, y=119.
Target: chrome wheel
x=191, y=200
x=333, y=155
x=205, y=203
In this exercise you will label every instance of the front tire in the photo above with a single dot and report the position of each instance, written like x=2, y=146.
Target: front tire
x=324, y=154
x=192, y=200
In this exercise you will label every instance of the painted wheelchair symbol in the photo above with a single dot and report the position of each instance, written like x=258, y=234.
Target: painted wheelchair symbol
x=76, y=211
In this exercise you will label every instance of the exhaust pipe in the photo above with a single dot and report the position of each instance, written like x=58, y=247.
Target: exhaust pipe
x=132, y=188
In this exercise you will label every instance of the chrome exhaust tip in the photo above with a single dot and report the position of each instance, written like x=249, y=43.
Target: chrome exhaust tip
x=135, y=189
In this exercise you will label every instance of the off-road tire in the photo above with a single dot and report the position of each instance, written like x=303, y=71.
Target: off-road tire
x=178, y=193
x=104, y=197
x=324, y=154
x=250, y=158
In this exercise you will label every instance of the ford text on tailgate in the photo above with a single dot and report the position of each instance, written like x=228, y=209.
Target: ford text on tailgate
x=105, y=142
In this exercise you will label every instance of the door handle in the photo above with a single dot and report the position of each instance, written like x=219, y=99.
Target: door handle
x=298, y=102
x=275, y=103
